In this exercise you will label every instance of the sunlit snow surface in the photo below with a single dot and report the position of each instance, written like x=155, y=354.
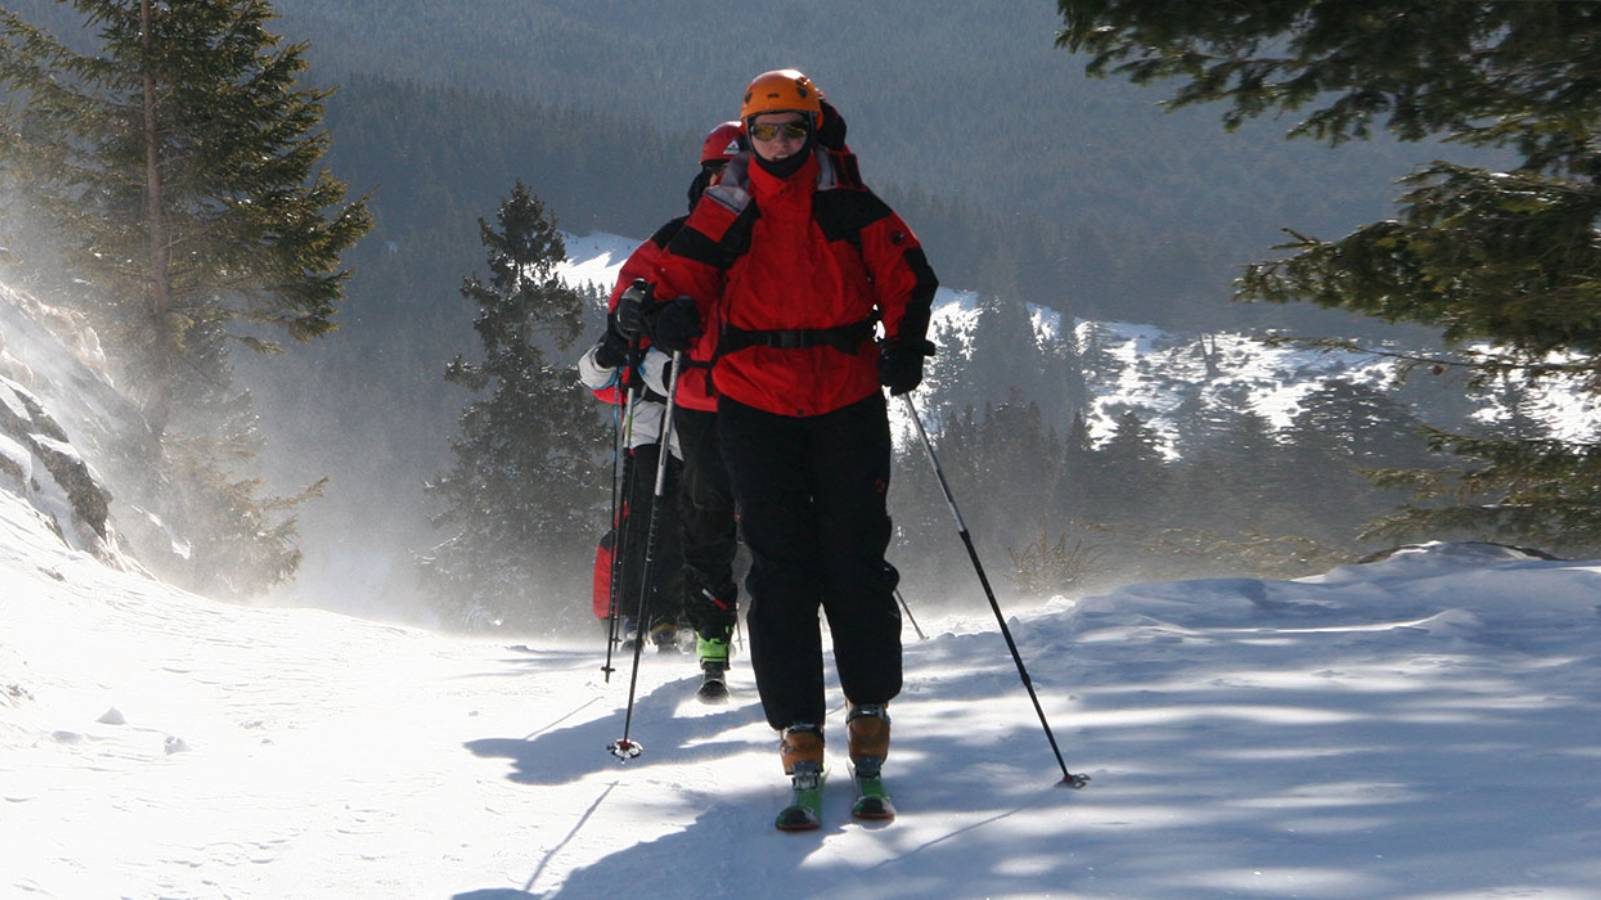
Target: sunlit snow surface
x=1423, y=727
x=1426, y=726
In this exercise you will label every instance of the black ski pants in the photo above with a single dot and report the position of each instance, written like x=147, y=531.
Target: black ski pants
x=811, y=496
x=706, y=514
x=664, y=602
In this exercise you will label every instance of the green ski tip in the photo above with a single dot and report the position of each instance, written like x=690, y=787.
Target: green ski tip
x=805, y=809
x=872, y=801
x=798, y=818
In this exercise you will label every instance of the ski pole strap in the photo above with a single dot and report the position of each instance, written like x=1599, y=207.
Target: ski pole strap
x=844, y=338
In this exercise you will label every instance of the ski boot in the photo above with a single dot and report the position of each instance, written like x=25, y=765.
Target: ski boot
x=664, y=636
x=628, y=634
x=867, y=726
x=713, y=654
x=801, y=750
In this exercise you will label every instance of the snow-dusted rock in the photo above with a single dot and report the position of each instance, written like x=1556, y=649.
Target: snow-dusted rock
x=63, y=423
x=28, y=433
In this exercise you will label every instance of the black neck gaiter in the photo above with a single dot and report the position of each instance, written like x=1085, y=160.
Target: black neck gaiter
x=791, y=164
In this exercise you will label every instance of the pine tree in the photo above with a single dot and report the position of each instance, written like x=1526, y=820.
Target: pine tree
x=1340, y=431
x=1095, y=355
x=177, y=167
x=1063, y=390
x=1248, y=453
x=1510, y=258
x=1369, y=428
x=945, y=389
x=1130, y=479
x=1078, y=470
x=1006, y=354
x=526, y=480
x=181, y=161
x=1520, y=419
x=1019, y=456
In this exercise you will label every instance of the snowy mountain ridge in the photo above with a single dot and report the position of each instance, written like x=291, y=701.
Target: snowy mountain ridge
x=1156, y=370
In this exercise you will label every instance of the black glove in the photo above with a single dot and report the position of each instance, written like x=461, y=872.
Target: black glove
x=900, y=364
x=675, y=326
x=631, y=309
x=611, y=350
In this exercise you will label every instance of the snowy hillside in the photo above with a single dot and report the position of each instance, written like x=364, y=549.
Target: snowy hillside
x=1155, y=370
x=1422, y=727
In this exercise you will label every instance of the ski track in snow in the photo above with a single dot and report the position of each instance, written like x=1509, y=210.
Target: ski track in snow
x=1423, y=727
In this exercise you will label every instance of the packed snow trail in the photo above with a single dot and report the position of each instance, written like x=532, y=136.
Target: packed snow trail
x=1421, y=727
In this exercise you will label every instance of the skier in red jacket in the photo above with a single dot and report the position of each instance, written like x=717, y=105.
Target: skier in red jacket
x=781, y=275
x=612, y=369
x=705, y=500
x=606, y=369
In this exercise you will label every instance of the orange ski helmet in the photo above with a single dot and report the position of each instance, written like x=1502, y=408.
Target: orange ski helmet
x=721, y=144
x=782, y=90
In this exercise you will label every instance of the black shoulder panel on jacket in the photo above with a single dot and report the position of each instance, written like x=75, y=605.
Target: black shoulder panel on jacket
x=664, y=234
x=691, y=243
x=843, y=213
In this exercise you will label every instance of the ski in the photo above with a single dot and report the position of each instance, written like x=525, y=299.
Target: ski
x=872, y=800
x=805, y=809
x=713, y=685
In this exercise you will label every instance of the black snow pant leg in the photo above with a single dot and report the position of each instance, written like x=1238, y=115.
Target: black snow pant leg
x=706, y=512
x=664, y=601
x=851, y=453
x=811, y=499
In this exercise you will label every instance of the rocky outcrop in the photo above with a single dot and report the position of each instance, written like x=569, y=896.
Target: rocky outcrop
x=33, y=435
x=66, y=431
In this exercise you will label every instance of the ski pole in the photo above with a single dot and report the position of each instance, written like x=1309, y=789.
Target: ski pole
x=625, y=436
x=920, y=635
x=1068, y=778
x=610, y=601
x=623, y=748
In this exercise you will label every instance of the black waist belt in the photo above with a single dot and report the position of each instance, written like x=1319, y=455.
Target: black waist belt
x=844, y=338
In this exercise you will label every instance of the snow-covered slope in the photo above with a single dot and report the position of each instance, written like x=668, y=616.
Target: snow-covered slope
x=1424, y=727
x=595, y=258
x=1154, y=370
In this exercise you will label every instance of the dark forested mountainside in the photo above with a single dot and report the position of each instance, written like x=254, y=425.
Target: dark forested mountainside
x=970, y=122
x=945, y=99
x=942, y=94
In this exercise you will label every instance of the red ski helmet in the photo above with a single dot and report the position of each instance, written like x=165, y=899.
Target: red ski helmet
x=721, y=144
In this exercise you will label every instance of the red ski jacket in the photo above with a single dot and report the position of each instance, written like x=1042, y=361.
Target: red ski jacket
x=790, y=276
